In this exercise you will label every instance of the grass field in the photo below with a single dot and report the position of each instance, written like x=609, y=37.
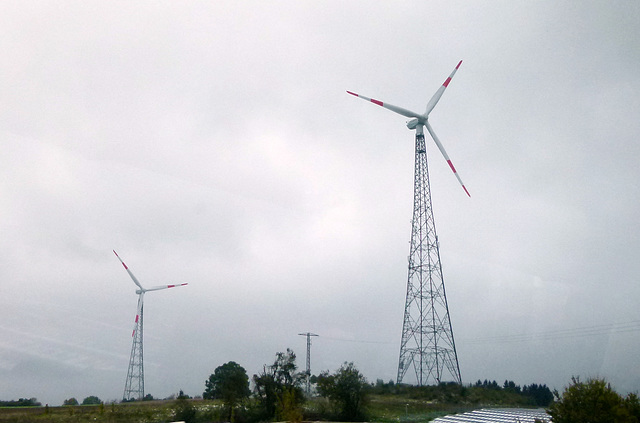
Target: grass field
x=405, y=405
x=384, y=409
x=136, y=412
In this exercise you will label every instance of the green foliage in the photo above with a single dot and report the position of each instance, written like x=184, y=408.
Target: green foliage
x=510, y=385
x=480, y=393
x=347, y=390
x=70, y=401
x=230, y=383
x=91, y=400
x=266, y=391
x=277, y=388
x=632, y=404
x=541, y=394
x=288, y=407
x=594, y=401
x=22, y=402
x=183, y=409
x=488, y=384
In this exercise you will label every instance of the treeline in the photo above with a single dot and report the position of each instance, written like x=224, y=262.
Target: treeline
x=90, y=400
x=278, y=394
x=482, y=392
x=22, y=402
x=541, y=394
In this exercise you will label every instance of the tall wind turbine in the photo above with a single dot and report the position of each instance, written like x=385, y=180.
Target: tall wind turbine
x=427, y=344
x=134, y=386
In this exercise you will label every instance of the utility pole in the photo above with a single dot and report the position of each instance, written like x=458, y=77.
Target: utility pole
x=308, y=372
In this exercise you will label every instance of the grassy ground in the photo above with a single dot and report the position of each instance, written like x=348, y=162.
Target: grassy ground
x=389, y=409
x=115, y=413
x=380, y=408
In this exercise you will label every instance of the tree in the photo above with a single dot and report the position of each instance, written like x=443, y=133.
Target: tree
x=70, y=401
x=230, y=383
x=632, y=404
x=278, y=388
x=183, y=409
x=540, y=394
x=91, y=400
x=593, y=401
x=510, y=385
x=346, y=389
x=22, y=402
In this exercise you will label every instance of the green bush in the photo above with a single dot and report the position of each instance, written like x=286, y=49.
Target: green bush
x=594, y=401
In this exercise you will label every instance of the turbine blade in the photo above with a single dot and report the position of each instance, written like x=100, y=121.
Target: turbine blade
x=399, y=110
x=157, y=288
x=446, y=156
x=128, y=271
x=436, y=97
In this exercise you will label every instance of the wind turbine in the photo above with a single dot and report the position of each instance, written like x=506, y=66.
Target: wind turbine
x=134, y=386
x=427, y=343
x=419, y=121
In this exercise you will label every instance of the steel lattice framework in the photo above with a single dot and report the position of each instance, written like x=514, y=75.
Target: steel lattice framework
x=427, y=346
x=308, y=371
x=134, y=386
x=427, y=343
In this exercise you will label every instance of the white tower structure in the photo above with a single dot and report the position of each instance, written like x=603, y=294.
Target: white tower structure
x=427, y=347
x=134, y=385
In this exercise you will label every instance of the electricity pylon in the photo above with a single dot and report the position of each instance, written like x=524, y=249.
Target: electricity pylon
x=308, y=372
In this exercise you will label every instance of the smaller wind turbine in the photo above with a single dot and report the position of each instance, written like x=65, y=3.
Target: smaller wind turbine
x=134, y=386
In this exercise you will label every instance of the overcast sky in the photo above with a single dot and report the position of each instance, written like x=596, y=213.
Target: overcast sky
x=214, y=143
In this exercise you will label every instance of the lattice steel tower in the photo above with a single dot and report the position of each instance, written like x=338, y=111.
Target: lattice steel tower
x=134, y=386
x=427, y=346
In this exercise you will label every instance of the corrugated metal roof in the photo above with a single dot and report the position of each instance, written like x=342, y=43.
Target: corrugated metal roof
x=497, y=415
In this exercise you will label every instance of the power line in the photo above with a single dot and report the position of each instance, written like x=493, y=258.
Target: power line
x=576, y=332
x=356, y=341
x=583, y=331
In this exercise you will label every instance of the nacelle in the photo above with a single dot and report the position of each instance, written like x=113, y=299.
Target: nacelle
x=413, y=123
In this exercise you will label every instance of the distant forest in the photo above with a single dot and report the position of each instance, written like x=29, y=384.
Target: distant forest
x=22, y=402
x=482, y=392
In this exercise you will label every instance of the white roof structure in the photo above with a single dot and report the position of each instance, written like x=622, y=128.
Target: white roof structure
x=497, y=415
